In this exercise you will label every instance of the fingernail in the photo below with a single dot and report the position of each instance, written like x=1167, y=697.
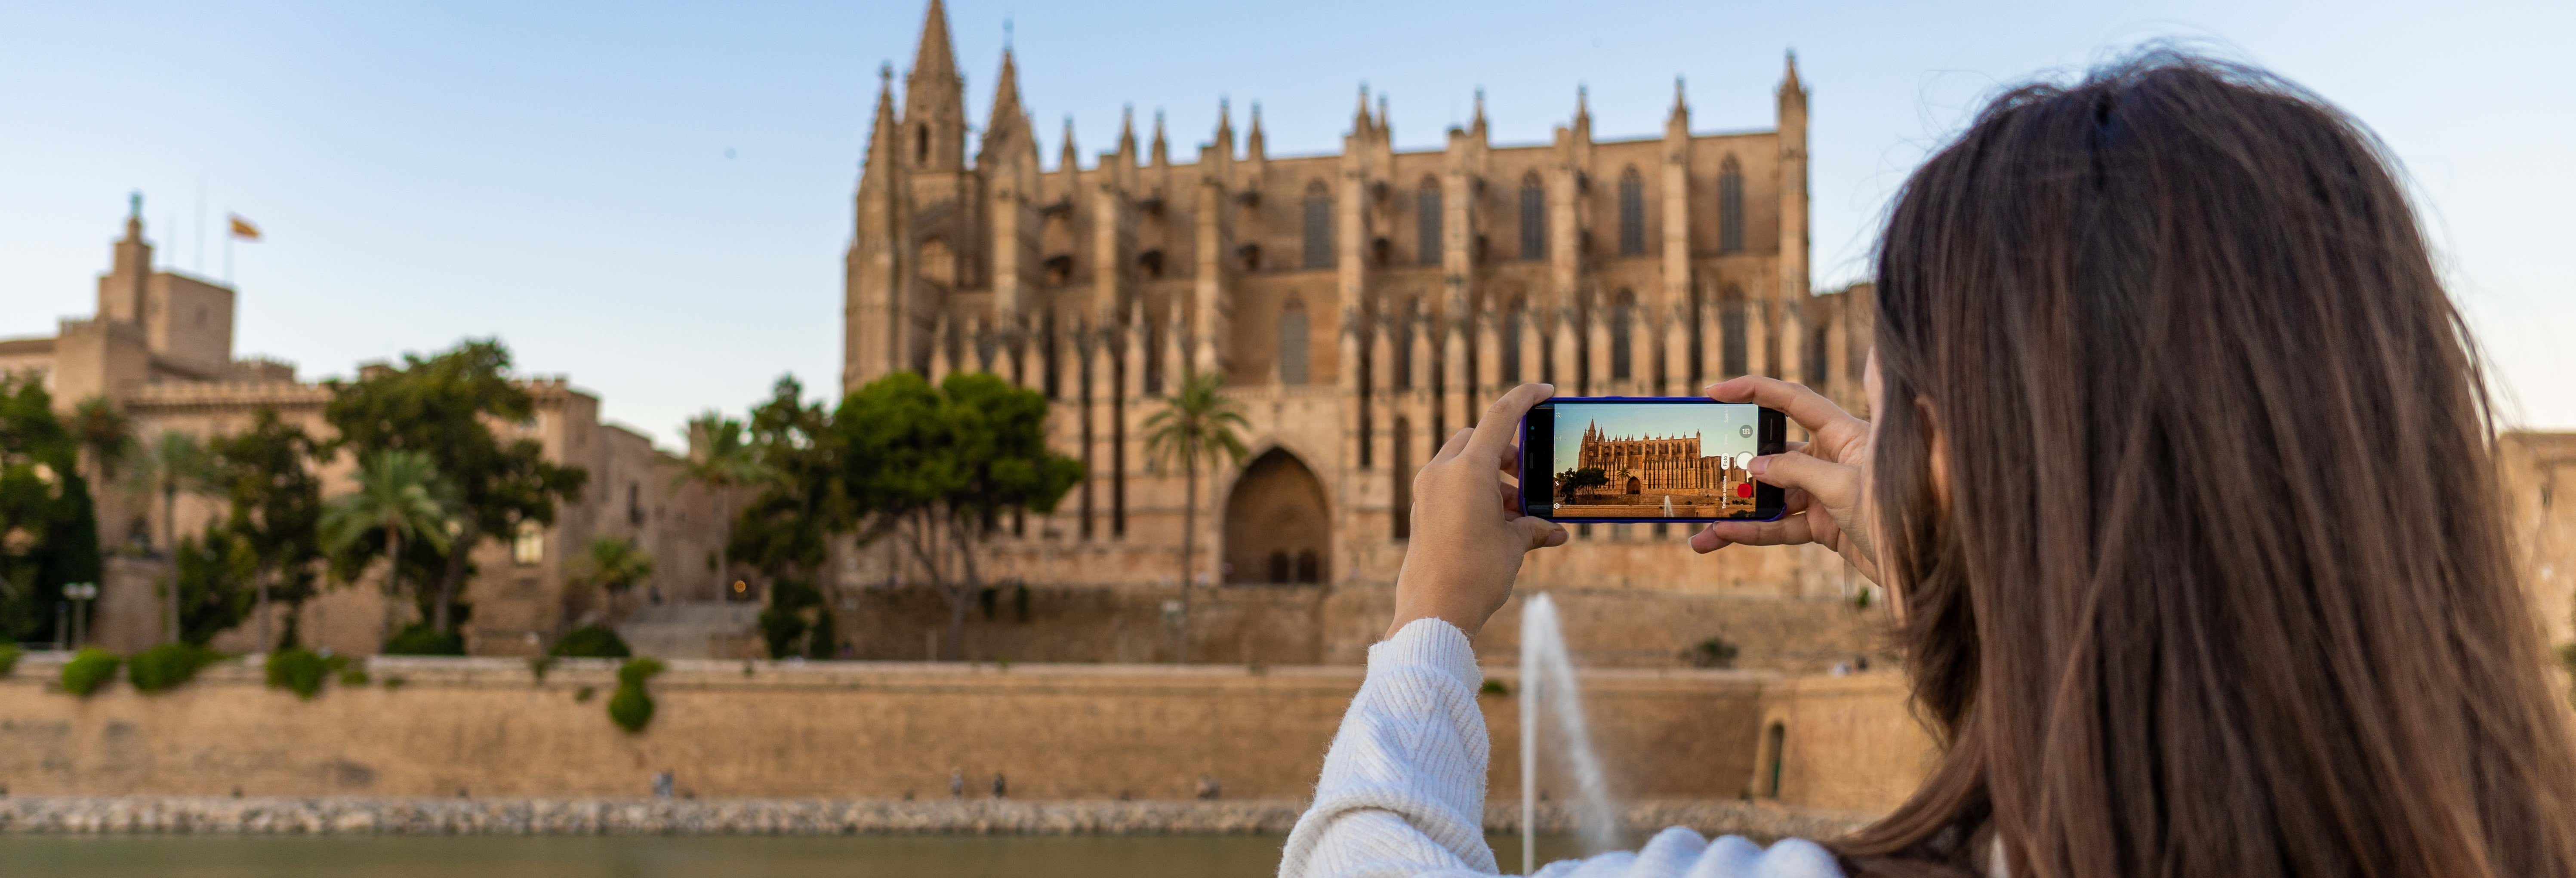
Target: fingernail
x=1759, y=466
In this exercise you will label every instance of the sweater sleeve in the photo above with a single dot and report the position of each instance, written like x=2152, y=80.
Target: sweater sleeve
x=1403, y=790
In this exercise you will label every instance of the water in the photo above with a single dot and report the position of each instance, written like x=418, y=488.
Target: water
x=1548, y=686
x=593, y=856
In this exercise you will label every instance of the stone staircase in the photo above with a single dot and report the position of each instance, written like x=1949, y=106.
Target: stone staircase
x=695, y=630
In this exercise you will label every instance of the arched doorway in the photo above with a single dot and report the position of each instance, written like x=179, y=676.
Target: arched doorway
x=1278, y=527
x=1635, y=486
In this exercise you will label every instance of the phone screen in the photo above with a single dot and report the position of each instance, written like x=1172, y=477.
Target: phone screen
x=1601, y=459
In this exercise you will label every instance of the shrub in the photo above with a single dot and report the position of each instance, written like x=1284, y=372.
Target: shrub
x=591, y=641
x=539, y=665
x=394, y=682
x=8, y=658
x=422, y=640
x=164, y=667
x=1861, y=600
x=635, y=671
x=1493, y=687
x=353, y=676
x=298, y=670
x=583, y=694
x=1714, y=652
x=632, y=707
x=89, y=669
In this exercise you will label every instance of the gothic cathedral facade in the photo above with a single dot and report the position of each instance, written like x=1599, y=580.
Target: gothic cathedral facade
x=1360, y=306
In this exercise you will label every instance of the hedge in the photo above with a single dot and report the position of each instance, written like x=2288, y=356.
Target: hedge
x=88, y=670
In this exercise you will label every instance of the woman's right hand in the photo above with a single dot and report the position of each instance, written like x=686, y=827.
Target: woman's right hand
x=1822, y=478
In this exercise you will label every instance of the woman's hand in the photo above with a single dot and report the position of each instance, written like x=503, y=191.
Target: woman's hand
x=1826, y=493
x=1468, y=530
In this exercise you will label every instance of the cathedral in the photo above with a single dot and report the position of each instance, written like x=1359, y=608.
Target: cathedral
x=1360, y=305
x=1667, y=465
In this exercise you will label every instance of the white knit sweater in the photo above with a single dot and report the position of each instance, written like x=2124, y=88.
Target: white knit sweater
x=1403, y=792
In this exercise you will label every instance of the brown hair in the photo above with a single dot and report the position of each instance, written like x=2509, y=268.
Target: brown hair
x=2221, y=585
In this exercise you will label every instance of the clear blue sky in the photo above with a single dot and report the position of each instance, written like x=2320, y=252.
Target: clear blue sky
x=558, y=173
x=1718, y=426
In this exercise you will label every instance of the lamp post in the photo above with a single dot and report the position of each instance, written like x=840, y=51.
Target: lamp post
x=81, y=594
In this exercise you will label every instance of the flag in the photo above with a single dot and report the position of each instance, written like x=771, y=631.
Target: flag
x=243, y=229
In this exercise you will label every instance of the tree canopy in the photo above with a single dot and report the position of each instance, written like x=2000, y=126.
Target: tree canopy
x=445, y=406
x=48, y=531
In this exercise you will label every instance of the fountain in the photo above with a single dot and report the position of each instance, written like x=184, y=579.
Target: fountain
x=1547, y=675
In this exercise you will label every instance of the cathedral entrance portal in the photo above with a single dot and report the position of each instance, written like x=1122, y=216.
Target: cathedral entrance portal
x=1278, y=528
x=1635, y=486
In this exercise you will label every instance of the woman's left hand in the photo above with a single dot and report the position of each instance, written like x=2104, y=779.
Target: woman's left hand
x=1468, y=530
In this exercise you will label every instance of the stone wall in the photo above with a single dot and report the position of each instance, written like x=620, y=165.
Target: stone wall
x=1304, y=625
x=490, y=728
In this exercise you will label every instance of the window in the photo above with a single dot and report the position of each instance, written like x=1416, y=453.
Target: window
x=1632, y=214
x=1046, y=356
x=921, y=144
x=1426, y=223
x=1153, y=358
x=1533, y=217
x=1819, y=355
x=1319, y=226
x=1730, y=207
x=1310, y=567
x=1623, y=312
x=1292, y=342
x=528, y=546
x=1730, y=330
x=986, y=346
x=1513, y=319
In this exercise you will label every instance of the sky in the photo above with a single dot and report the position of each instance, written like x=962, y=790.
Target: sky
x=1720, y=427
x=654, y=198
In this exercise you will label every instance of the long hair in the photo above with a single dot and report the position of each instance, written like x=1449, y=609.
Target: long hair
x=2221, y=585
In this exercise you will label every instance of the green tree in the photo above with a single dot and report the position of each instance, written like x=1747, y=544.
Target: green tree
x=613, y=564
x=174, y=464
x=1197, y=424
x=106, y=437
x=1573, y=480
x=399, y=497
x=275, y=506
x=785, y=530
x=443, y=406
x=937, y=467
x=214, y=583
x=722, y=459
x=48, y=532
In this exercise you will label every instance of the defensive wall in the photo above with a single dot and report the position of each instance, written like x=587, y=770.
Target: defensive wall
x=493, y=728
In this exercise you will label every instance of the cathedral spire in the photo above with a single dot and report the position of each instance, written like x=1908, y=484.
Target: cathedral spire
x=1127, y=132
x=877, y=170
x=1477, y=124
x=1072, y=158
x=936, y=53
x=1255, y=145
x=1360, y=122
x=1162, y=148
x=1009, y=121
x=1225, y=128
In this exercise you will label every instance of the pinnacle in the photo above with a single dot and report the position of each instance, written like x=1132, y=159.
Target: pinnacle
x=936, y=57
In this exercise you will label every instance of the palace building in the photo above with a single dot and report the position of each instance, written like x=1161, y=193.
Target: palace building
x=1361, y=306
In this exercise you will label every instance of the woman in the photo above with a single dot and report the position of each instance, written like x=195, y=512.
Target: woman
x=2180, y=481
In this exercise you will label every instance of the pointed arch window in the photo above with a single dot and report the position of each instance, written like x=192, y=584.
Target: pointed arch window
x=1426, y=223
x=1632, y=214
x=1730, y=207
x=921, y=144
x=1319, y=226
x=1623, y=319
x=1292, y=342
x=1533, y=217
x=1514, y=318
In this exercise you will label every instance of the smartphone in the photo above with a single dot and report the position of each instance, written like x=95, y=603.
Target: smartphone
x=1671, y=458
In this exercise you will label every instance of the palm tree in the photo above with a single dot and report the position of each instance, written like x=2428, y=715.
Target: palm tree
x=614, y=564
x=400, y=493
x=1197, y=423
x=106, y=434
x=174, y=463
x=721, y=457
